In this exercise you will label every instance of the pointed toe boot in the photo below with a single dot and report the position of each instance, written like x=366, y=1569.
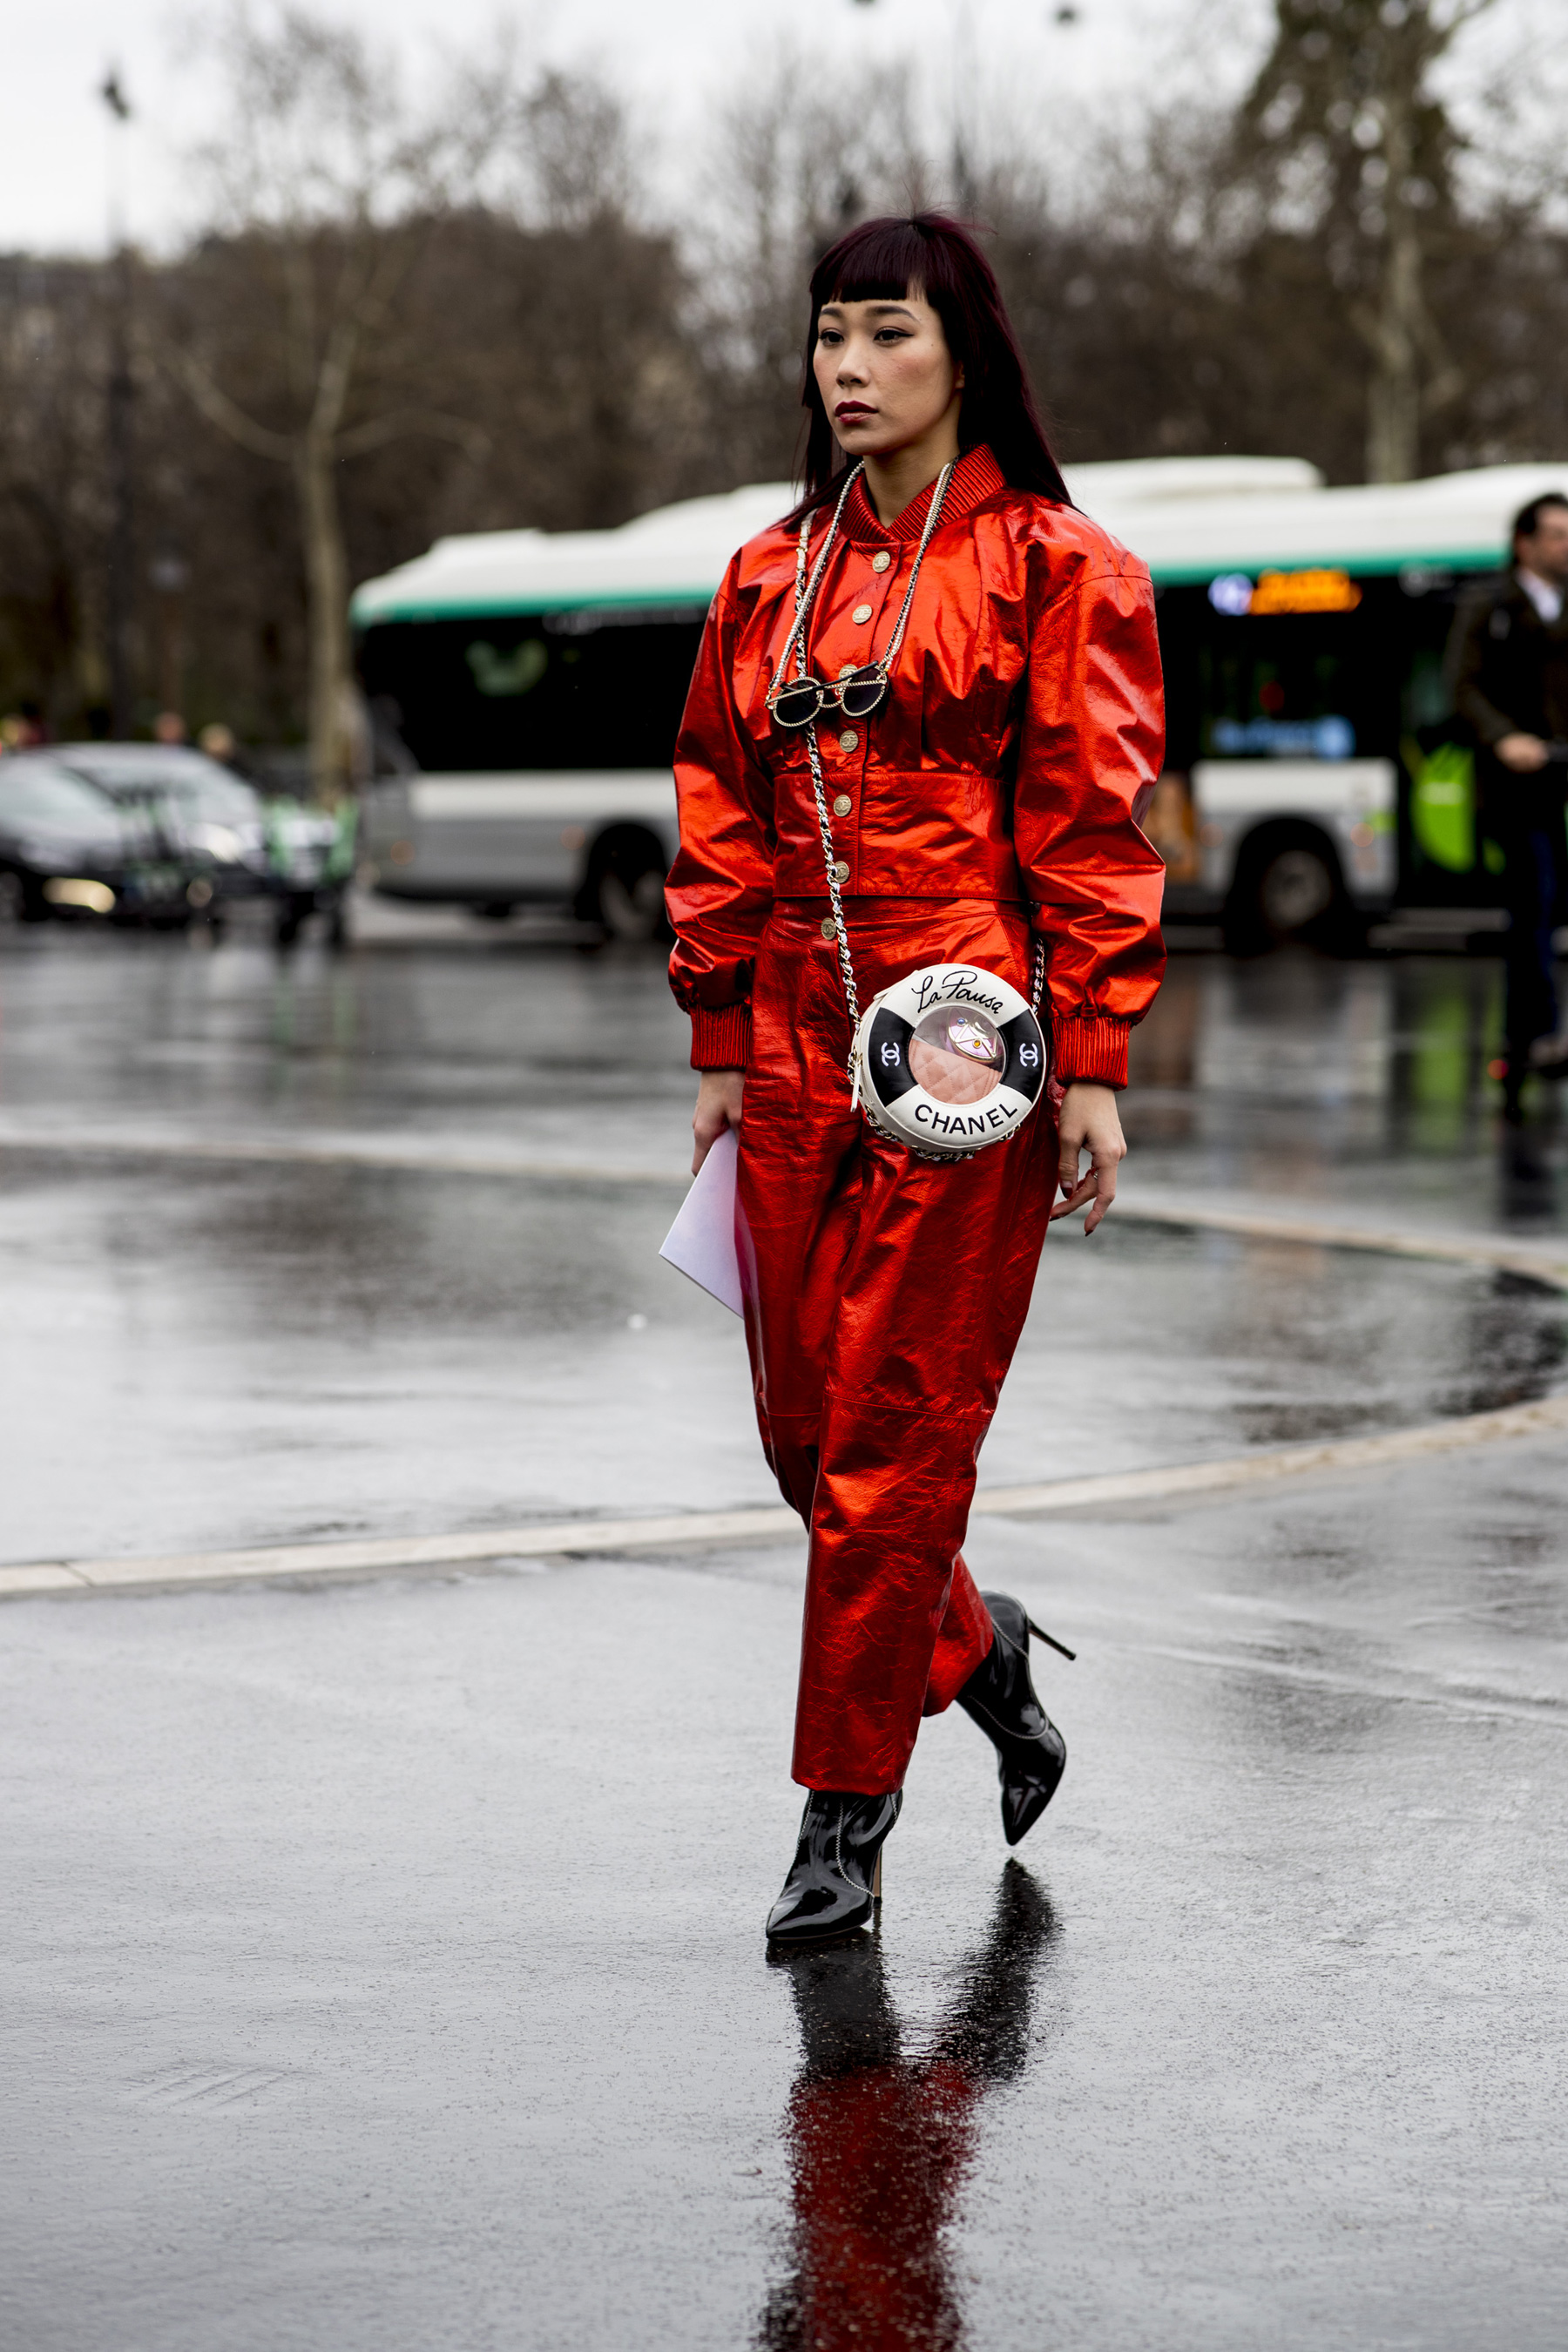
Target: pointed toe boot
x=837, y=1877
x=1031, y=1754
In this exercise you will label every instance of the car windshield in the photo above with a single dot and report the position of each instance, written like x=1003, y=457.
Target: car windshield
x=201, y=788
x=37, y=792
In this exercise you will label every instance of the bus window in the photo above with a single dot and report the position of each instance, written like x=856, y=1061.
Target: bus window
x=555, y=690
x=1274, y=689
x=1426, y=701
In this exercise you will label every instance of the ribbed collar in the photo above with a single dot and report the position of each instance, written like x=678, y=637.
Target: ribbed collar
x=976, y=476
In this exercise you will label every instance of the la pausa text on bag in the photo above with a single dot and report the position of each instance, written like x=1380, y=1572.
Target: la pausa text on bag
x=952, y=988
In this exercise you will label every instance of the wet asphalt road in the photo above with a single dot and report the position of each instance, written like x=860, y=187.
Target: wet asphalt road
x=382, y=1965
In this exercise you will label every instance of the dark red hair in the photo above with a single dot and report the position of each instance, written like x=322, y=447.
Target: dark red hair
x=884, y=260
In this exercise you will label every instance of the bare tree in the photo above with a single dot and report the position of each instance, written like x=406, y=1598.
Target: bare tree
x=332, y=183
x=1345, y=118
x=792, y=167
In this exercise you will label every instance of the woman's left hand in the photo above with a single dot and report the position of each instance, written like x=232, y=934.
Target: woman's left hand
x=1089, y=1121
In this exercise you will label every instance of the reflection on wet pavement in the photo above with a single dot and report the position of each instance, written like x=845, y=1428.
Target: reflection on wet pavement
x=881, y=2139
x=1357, y=1086
x=207, y=1354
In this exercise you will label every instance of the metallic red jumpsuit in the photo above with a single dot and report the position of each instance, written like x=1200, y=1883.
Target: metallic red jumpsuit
x=996, y=791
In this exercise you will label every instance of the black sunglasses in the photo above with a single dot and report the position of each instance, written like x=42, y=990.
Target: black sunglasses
x=805, y=699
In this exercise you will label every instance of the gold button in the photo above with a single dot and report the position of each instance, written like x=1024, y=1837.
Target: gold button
x=843, y=805
x=850, y=740
x=830, y=928
x=841, y=871
x=861, y=612
x=880, y=562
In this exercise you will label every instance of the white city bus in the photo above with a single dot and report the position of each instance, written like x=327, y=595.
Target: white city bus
x=526, y=690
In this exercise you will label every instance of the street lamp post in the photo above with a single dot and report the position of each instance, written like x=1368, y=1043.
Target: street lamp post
x=120, y=422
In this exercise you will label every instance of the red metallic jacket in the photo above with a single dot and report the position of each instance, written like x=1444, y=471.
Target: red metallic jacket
x=1015, y=753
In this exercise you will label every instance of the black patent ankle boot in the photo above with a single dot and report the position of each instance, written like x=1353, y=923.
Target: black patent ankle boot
x=837, y=1877
x=1031, y=1754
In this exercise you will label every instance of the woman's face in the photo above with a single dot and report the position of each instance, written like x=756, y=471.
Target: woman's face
x=885, y=372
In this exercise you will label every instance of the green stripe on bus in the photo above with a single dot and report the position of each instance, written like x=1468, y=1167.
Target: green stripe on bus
x=1166, y=576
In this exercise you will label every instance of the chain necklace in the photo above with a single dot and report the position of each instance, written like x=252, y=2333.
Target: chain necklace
x=805, y=598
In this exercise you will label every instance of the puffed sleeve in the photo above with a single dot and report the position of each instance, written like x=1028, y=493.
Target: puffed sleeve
x=1091, y=742
x=721, y=887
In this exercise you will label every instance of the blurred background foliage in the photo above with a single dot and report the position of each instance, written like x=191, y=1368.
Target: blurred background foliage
x=464, y=310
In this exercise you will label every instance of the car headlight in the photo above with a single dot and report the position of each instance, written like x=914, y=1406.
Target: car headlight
x=65, y=890
x=219, y=840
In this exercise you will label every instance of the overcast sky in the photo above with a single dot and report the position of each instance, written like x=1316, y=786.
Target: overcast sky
x=670, y=58
x=667, y=56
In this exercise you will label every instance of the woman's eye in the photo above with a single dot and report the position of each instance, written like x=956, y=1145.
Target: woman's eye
x=892, y=334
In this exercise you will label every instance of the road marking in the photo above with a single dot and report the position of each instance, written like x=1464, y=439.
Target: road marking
x=698, y=1530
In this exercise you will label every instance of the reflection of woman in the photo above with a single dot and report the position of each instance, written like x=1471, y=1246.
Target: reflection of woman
x=987, y=800
x=879, y=2142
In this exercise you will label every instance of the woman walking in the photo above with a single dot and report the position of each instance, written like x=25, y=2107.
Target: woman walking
x=979, y=675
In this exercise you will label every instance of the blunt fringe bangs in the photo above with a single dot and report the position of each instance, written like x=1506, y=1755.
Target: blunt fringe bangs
x=929, y=254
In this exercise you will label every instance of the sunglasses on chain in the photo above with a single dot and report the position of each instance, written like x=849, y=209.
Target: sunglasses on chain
x=806, y=699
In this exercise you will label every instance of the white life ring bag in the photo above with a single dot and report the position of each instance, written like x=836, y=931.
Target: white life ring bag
x=949, y=1060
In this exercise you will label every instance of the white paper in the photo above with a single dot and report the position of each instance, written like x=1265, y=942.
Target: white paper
x=701, y=1241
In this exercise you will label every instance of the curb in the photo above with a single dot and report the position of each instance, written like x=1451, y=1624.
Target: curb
x=698, y=1530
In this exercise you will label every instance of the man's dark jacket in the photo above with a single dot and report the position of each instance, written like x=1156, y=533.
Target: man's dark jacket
x=1508, y=672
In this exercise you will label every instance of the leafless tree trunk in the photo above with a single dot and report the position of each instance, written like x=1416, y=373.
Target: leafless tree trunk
x=338, y=188
x=1399, y=329
x=1345, y=102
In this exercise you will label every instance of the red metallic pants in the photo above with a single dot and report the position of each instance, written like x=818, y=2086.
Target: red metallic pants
x=885, y=1297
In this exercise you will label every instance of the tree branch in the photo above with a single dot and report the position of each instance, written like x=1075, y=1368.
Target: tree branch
x=471, y=438
x=219, y=409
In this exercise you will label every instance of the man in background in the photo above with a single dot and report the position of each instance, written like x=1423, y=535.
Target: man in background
x=1509, y=670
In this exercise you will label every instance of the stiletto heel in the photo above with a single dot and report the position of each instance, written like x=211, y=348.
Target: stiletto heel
x=1031, y=1754
x=877, y=1881
x=1040, y=1634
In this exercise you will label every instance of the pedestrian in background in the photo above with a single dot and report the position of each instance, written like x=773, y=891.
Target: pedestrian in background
x=1508, y=673
x=216, y=741
x=983, y=803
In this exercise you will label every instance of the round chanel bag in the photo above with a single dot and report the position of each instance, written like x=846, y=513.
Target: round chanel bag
x=948, y=1060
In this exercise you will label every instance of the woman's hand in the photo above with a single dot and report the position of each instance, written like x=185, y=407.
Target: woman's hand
x=718, y=1106
x=1088, y=1122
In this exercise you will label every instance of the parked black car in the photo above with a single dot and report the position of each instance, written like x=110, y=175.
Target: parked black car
x=67, y=850
x=231, y=843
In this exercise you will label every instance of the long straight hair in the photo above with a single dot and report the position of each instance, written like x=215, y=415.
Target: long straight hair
x=884, y=260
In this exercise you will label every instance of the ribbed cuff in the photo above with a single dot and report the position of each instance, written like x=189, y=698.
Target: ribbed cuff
x=1090, y=1046
x=722, y=1040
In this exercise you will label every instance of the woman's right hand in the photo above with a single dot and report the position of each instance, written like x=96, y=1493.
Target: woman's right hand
x=719, y=1096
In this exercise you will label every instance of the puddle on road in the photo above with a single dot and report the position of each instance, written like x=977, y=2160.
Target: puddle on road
x=1219, y=1343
